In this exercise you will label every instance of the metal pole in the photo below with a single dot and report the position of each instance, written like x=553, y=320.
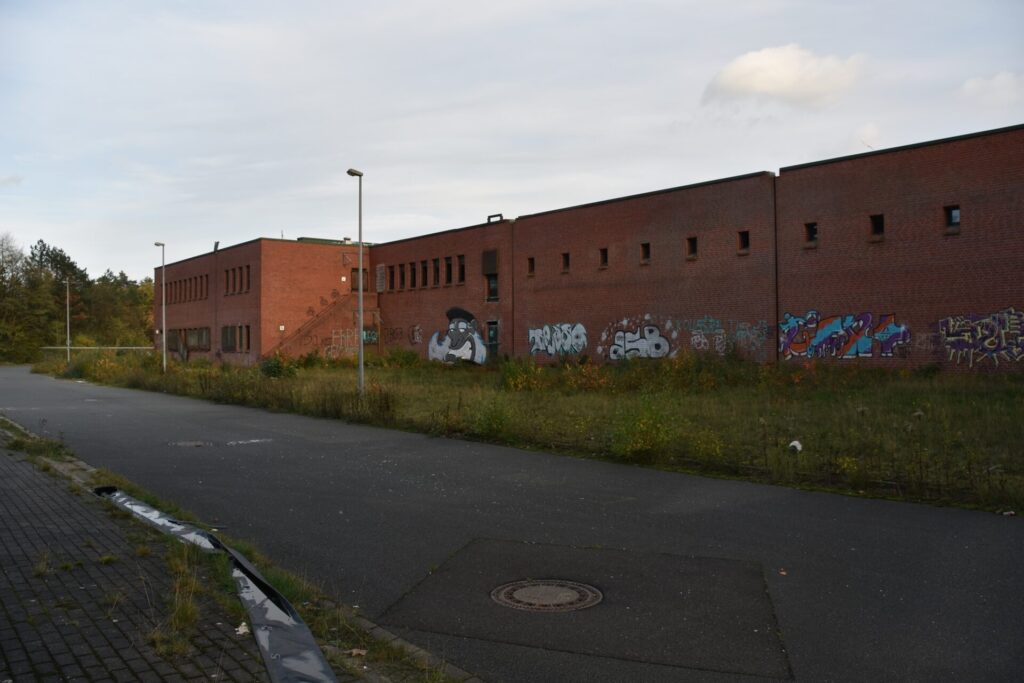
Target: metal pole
x=67, y=299
x=163, y=302
x=361, y=326
x=359, y=174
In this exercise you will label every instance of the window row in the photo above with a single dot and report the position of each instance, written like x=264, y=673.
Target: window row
x=690, y=250
x=188, y=289
x=427, y=273
x=237, y=280
x=235, y=339
x=876, y=226
x=192, y=338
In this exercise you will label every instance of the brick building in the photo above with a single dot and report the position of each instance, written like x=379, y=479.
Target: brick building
x=899, y=257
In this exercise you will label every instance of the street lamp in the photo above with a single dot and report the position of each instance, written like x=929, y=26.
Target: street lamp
x=359, y=174
x=163, y=302
x=67, y=300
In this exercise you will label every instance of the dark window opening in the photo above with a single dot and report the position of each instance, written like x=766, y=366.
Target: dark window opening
x=423, y=273
x=492, y=339
x=565, y=262
x=952, y=216
x=691, y=247
x=531, y=266
x=878, y=225
x=366, y=280
x=227, y=338
x=447, y=270
x=811, y=233
x=401, y=276
x=437, y=272
x=604, y=257
x=645, y=252
x=248, y=279
x=462, y=269
x=391, y=277
x=492, y=287
x=744, y=243
x=412, y=275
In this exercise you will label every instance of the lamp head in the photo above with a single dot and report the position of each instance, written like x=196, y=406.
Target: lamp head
x=354, y=173
x=158, y=244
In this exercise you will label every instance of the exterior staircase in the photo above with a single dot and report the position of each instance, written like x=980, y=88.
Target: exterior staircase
x=332, y=331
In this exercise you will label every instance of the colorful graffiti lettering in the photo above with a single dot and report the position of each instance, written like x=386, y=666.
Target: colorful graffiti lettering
x=462, y=341
x=707, y=334
x=840, y=336
x=558, y=339
x=415, y=335
x=977, y=338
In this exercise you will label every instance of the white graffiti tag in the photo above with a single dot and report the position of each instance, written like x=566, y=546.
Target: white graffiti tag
x=558, y=339
x=646, y=342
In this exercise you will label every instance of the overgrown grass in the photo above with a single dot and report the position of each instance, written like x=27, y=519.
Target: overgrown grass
x=919, y=435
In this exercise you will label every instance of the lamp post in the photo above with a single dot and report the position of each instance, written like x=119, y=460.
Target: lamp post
x=359, y=174
x=163, y=302
x=67, y=302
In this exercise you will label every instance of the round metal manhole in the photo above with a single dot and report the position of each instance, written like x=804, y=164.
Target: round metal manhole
x=546, y=595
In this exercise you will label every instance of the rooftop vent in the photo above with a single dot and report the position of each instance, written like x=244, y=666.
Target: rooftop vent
x=494, y=218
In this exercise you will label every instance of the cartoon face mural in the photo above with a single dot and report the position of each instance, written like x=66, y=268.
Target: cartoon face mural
x=977, y=338
x=462, y=341
x=841, y=336
x=559, y=339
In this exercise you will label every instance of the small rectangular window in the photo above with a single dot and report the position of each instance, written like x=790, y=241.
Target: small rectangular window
x=744, y=241
x=227, y=281
x=531, y=266
x=565, y=262
x=391, y=278
x=248, y=279
x=462, y=268
x=423, y=274
x=401, y=276
x=492, y=287
x=691, y=248
x=952, y=216
x=447, y=270
x=810, y=234
x=437, y=272
x=603, y=255
x=878, y=225
x=412, y=275
x=645, y=252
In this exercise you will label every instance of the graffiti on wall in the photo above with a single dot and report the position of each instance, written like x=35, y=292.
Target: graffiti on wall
x=415, y=335
x=841, y=336
x=648, y=336
x=979, y=338
x=462, y=340
x=559, y=339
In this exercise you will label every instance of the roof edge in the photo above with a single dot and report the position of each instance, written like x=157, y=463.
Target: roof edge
x=901, y=148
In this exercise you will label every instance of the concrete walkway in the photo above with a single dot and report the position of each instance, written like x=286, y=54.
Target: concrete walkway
x=81, y=591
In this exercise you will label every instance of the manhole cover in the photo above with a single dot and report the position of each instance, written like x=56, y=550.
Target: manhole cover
x=546, y=595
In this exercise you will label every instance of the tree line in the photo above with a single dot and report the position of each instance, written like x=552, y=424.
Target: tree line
x=110, y=310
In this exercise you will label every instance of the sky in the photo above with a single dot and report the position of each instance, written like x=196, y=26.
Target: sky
x=187, y=122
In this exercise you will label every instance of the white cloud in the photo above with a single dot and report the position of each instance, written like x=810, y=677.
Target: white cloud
x=1002, y=90
x=788, y=73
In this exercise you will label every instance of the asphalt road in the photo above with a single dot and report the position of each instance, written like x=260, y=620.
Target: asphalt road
x=703, y=579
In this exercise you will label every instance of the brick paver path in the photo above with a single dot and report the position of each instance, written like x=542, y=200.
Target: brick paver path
x=68, y=612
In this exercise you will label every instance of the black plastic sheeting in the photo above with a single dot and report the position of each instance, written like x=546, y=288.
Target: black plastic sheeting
x=289, y=650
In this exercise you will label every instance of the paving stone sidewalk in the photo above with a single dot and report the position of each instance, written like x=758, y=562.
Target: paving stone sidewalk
x=78, y=599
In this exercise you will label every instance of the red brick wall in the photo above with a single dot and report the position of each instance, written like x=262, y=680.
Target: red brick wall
x=917, y=272
x=298, y=281
x=719, y=300
x=410, y=316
